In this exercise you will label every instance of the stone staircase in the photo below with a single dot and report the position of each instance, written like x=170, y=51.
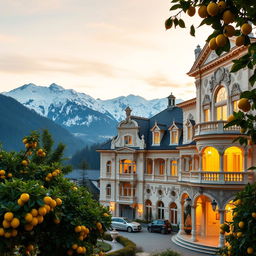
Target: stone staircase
x=197, y=247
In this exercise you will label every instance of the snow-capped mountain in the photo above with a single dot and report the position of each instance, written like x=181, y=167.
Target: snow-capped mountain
x=91, y=119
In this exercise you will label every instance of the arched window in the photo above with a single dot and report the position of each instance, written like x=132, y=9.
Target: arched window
x=108, y=190
x=221, y=104
x=173, y=214
x=148, y=206
x=108, y=167
x=128, y=140
x=233, y=160
x=174, y=168
x=127, y=166
x=149, y=166
x=211, y=160
x=160, y=210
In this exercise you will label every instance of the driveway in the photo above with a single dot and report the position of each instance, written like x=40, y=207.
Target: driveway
x=156, y=242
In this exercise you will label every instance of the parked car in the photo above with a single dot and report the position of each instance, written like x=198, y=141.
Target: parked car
x=120, y=223
x=162, y=226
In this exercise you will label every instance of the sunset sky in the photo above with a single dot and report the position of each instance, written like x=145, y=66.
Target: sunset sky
x=102, y=48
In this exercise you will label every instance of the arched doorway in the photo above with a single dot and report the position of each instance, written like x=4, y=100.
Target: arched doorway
x=207, y=220
x=148, y=210
x=160, y=210
x=173, y=214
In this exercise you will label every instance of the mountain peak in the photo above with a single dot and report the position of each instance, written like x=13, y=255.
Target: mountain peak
x=56, y=87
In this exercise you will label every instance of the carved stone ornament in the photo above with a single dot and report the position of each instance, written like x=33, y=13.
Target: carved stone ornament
x=235, y=89
x=205, y=82
x=190, y=117
x=207, y=99
x=221, y=75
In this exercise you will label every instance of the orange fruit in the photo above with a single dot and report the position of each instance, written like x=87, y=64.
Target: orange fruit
x=56, y=221
x=105, y=214
x=78, y=229
x=49, y=175
x=25, y=141
x=34, y=221
x=99, y=226
x=230, y=118
x=212, y=9
x=20, y=202
x=1, y=231
x=28, y=217
x=240, y=40
x=42, y=211
x=222, y=5
x=53, y=203
x=228, y=17
x=243, y=130
x=34, y=212
x=254, y=215
x=221, y=40
x=24, y=162
x=2, y=172
x=14, y=232
x=28, y=227
x=6, y=224
x=8, y=216
x=47, y=207
x=15, y=222
x=54, y=174
x=202, y=11
x=244, y=104
x=191, y=11
x=79, y=250
x=9, y=175
x=229, y=31
x=241, y=224
x=24, y=197
x=7, y=234
x=74, y=246
x=250, y=250
x=27, y=145
x=58, y=201
x=212, y=44
x=246, y=29
x=47, y=200
x=30, y=247
x=81, y=238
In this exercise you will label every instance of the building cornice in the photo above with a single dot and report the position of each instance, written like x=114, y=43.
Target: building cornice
x=187, y=103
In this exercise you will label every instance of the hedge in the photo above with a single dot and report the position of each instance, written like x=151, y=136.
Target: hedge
x=129, y=247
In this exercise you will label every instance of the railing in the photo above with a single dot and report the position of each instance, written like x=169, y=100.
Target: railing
x=127, y=199
x=218, y=177
x=215, y=127
x=160, y=177
x=128, y=176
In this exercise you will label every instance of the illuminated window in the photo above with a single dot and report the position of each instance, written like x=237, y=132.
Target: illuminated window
x=211, y=160
x=108, y=190
x=174, y=168
x=149, y=166
x=173, y=214
x=233, y=160
x=160, y=166
x=148, y=213
x=235, y=106
x=127, y=166
x=126, y=189
x=207, y=115
x=160, y=210
x=108, y=165
x=221, y=104
x=175, y=138
x=127, y=140
x=189, y=133
x=156, y=138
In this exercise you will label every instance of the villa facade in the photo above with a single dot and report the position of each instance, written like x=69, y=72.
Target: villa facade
x=182, y=163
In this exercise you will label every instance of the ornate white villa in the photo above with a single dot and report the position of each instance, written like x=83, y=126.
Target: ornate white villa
x=182, y=164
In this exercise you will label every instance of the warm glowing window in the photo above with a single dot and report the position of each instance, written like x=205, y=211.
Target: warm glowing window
x=235, y=106
x=108, y=166
x=174, y=168
x=175, y=138
x=211, y=160
x=189, y=135
x=160, y=210
x=126, y=189
x=221, y=104
x=233, y=160
x=207, y=115
x=148, y=213
x=173, y=213
x=149, y=166
x=160, y=166
x=229, y=211
x=127, y=166
x=108, y=190
x=127, y=140
x=156, y=138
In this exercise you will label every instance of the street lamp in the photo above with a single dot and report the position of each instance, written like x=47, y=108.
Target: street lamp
x=214, y=205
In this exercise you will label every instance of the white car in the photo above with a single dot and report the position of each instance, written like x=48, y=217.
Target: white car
x=120, y=223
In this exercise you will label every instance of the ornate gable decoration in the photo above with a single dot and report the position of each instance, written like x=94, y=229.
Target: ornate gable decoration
x=221, y=75
x=155, y=128
x=235, y=89
x=207, y=100
x=173, y=127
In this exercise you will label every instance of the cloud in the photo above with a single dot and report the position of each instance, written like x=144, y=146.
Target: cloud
x=162, y=81
x=22, y=64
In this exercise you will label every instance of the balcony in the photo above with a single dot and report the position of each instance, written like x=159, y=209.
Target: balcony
x=127, y=199
x=215, y=127
x=128, y=176
x=231, y=178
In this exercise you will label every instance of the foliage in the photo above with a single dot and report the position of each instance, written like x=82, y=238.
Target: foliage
x=129, y=247
x=219, y=15
x=41, y=212
x=241, y=232
x=167, y=253
x=103, y=246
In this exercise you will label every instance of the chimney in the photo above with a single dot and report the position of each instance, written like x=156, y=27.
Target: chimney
x=171, y=101
x=197, y=51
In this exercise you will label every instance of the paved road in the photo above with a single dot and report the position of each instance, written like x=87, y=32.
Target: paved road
x=156, y=242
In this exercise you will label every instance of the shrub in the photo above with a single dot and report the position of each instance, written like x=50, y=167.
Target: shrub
x=167, y=253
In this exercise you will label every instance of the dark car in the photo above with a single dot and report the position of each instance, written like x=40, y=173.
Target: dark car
x=162, y=226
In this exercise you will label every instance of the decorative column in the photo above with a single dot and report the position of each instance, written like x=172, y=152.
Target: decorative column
x=181, y=230
x=200, y=159
x=193, y=163
x=245, y=158
x=153, y=168
x=222, y=220
x=193, y=222
x=167, y=164
x=221, y=161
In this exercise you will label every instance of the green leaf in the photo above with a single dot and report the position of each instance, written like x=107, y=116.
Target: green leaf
x=182, y=23
x=252, y=79
x=192, y=30
x=175, y=7
x=168, y=23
